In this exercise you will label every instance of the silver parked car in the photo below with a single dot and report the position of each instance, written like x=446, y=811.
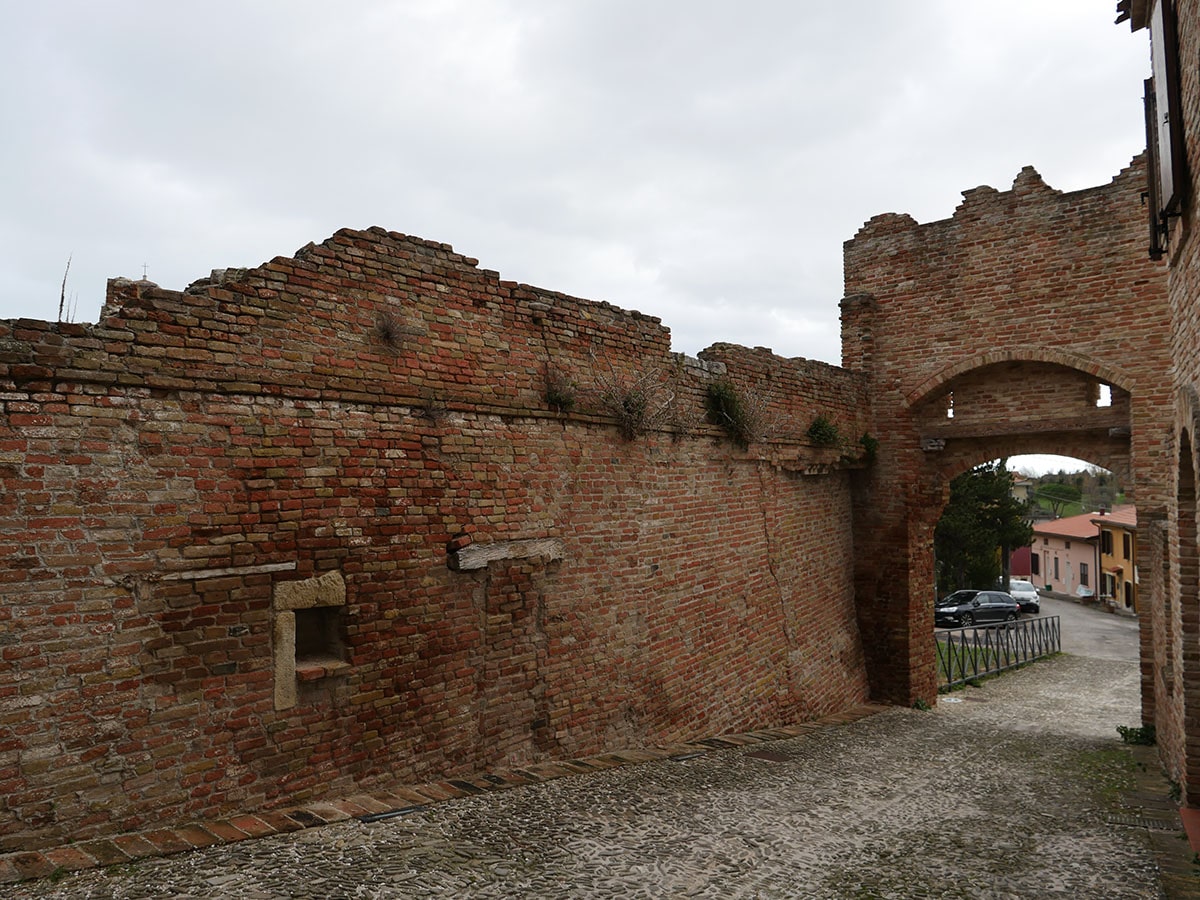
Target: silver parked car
x=1025, y=594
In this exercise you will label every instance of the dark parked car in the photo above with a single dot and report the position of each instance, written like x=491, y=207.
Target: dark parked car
x=964, y=608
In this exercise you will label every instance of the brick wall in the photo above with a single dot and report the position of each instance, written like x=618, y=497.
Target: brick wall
x=1174, y=678
x=318, y=525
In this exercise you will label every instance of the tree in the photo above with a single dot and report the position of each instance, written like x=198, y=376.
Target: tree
x=982, y=522
x=1059, y=495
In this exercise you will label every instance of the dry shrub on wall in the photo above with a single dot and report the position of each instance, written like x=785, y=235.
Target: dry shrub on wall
x=387, y=330
x=560, y=391
x=747, y=416
x=639, y=402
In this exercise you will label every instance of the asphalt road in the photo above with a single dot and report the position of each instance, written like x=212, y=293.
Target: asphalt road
x=1091, y=632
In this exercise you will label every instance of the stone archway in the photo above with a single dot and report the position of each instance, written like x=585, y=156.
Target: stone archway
x=990, y=334
x=1188, y=611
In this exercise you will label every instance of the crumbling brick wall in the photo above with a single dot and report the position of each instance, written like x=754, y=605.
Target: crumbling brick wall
x=367, y=514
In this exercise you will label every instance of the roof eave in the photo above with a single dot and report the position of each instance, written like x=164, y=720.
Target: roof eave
x=1136, y=11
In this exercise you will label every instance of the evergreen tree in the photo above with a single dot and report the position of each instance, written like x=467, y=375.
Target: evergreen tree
x=982, y=522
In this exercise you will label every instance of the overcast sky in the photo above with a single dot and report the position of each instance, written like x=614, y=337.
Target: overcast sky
x=698, y=161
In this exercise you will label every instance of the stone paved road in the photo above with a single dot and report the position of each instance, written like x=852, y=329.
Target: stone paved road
x=1009, y=790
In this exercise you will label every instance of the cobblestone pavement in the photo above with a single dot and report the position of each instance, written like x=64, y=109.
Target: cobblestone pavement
x=1012, y=789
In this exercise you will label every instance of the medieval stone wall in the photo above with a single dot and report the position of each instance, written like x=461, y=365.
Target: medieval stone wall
x=368, y=515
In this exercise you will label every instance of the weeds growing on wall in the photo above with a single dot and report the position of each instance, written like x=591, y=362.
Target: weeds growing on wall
x=63, y=307
x=870, y=446
x=723, y=405
x=387, y=329
x=639, y=403
x=560, y=391
x=823, y=433
x=745, y=416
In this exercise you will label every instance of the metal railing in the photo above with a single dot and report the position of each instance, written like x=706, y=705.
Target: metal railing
x=964, y=654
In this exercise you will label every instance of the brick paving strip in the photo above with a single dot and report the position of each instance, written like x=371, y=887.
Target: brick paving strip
x=125, y=848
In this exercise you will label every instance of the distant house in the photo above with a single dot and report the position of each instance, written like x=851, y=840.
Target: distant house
x=1065, y=555
x=1020, y=563
x=1022, y=489
x=1089, y=555
x=1118, y=556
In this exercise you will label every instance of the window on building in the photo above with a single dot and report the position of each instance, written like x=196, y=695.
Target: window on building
x=1056, y=568
x=1106, y=541
x=1129, y=595
x=1083, y=574
x=1127, y=546
x=1169, y=161
x=1165, y=139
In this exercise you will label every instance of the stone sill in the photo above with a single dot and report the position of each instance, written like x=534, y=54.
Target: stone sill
x=316, y=668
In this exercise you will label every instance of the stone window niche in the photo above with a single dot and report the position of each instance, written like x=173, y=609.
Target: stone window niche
x=307, y=630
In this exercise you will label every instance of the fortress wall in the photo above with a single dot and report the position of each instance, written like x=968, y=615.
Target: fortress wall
x=368, y=515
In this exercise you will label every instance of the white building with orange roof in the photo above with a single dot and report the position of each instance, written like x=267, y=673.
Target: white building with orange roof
x=1066, y=555
x=1089, y=556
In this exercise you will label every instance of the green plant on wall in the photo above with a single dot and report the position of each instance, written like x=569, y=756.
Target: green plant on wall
x=723, y=407
x=745, y=416
x=870, y=446
x=822, y=432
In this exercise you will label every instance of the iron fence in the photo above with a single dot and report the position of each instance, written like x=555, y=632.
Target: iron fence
x=964, y=654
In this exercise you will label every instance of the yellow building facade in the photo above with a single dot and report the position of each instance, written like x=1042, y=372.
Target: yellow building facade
x=1118, y=558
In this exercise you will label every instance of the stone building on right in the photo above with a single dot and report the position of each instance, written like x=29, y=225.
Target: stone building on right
x=1171, y=624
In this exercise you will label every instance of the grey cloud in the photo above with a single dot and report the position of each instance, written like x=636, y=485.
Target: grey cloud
x=702, y=162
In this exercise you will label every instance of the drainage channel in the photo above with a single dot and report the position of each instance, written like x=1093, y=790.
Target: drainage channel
x=1142, y=822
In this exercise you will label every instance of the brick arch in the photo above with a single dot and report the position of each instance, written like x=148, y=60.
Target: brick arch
x=1176, y=625
x=954, y=465
x=931, y=384
x=1188, y=595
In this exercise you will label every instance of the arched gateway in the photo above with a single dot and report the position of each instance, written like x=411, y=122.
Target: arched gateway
x=1031, y=321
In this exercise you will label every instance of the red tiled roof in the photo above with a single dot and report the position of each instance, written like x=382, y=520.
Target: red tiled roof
x=1088, y=525
x=1079, y=527
x=1125, y=516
